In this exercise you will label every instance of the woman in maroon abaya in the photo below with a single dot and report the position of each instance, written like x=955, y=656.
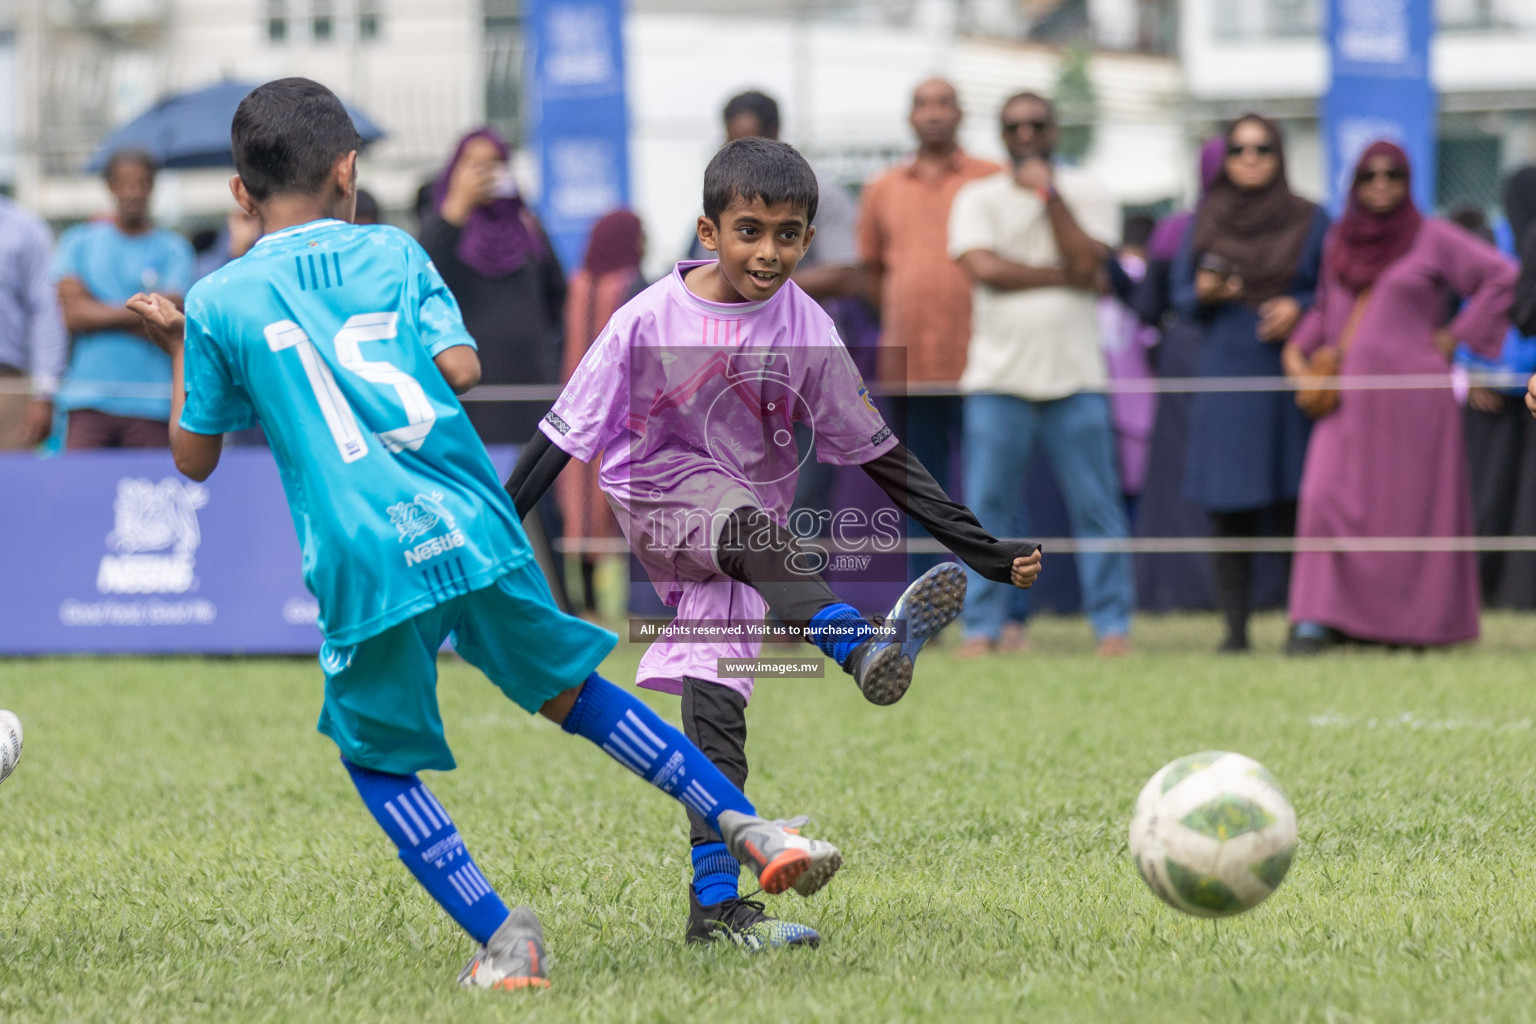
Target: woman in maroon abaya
x=1392, y=463
x=608, y=278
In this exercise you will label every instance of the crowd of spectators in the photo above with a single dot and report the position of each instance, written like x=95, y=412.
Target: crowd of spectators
x=1000, y=304
x=1254, y=282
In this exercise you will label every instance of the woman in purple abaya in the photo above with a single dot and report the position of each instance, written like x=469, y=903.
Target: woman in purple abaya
x=1392, y=463
x=496, y=260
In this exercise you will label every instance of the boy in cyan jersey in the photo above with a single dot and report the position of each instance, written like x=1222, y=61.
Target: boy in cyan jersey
x=691, y=397
x=344, y=343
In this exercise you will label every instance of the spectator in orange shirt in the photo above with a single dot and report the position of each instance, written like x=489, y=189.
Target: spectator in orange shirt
x=923, y=296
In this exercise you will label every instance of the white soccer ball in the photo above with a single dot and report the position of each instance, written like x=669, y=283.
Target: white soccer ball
x=10, y=743
x=1213, y=833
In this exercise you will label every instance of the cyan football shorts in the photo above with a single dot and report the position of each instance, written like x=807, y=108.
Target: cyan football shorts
x=381, y=694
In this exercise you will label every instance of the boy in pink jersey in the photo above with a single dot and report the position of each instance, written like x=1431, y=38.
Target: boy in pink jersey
x=691, y=397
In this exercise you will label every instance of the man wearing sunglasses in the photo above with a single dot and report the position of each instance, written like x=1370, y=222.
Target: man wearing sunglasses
x=1032, y=241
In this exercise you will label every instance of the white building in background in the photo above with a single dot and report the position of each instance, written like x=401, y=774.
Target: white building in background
x=843, y=85
x=427, y=70
x=1269, y=56
x=10, y=94
x=1140, y=151
x=418, y=67
x=844, y=80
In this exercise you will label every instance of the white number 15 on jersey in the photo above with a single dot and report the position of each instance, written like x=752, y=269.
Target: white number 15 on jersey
x=420, y=417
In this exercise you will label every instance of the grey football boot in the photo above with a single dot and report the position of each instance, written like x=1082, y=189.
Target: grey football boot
x=882, y=665
x=778, y=854
x=513, y=959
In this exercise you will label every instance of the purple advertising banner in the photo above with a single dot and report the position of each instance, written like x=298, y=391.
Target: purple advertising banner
x=117, y=552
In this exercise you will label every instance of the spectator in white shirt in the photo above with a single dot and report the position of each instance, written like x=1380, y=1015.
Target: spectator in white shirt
x=1032, y=241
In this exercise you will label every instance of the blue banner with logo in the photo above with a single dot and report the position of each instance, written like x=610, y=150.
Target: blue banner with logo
x=117, y=552
x=579, y=116
x=1380, y=89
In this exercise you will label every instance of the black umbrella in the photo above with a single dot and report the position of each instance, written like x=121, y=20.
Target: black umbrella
x=191, y=129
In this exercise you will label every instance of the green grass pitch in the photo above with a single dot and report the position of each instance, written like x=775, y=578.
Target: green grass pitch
x=179, y=844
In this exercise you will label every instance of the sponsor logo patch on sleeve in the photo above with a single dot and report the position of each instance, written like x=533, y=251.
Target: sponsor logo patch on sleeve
x=881, y=434
x=554, y=420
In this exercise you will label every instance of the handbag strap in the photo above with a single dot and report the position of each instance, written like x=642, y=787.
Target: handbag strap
x=1356, y=314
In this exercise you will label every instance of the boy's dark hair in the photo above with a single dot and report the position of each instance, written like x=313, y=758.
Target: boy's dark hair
x=287, y=135
x=760, y=105
x=758, y=168
x=131, y=155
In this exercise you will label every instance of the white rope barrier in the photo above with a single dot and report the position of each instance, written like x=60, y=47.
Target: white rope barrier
x=1162, y=545
x=1229, y=385
x=1498, y=381
x=1069, y=545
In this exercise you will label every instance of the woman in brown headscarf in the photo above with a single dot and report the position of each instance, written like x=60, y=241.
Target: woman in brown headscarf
x=1247, y=273
x=608, y=278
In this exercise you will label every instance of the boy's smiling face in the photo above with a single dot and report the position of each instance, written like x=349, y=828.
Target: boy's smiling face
x=759, y=247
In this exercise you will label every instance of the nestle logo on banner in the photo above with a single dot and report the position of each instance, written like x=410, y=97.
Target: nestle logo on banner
x=155, y=535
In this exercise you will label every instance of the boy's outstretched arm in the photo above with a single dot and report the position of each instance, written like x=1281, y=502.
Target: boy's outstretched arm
x=915, y=491
x=460, y=367
x=196, y=455
x=538, y=465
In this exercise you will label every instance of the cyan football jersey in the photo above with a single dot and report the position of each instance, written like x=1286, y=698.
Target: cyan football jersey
x=325, y=333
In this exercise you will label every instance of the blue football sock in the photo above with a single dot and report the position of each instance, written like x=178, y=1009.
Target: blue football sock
x=637, y=738
x=837, y=629
x=431, y=848
x=715, y=874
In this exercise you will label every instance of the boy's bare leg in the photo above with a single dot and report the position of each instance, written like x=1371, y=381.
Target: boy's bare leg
x=557, y=707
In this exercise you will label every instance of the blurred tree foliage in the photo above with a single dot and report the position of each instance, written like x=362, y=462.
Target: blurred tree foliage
x=1077, y=104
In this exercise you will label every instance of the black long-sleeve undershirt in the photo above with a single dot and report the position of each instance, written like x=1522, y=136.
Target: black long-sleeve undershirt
x=914, y=490
x=539, y=463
